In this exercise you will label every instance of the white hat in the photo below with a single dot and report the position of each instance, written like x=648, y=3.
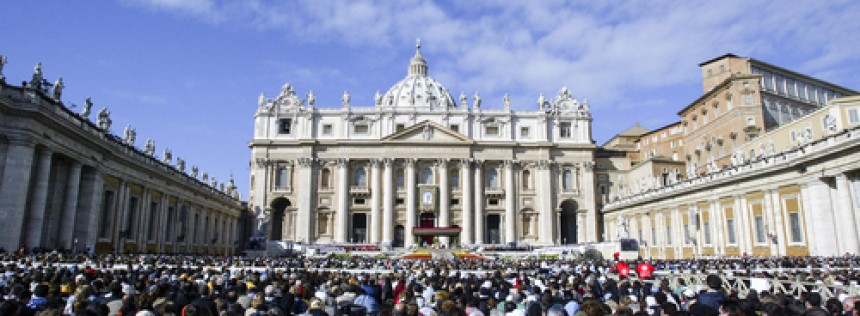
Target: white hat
x=650, y=301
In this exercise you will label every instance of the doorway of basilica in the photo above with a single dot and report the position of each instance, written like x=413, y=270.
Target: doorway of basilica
x=494, y=229
x=359, y=228
x=428, y=220
x=567, y=223
x=279, y=208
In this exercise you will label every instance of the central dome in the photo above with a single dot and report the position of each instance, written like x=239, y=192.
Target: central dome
x=418, y=89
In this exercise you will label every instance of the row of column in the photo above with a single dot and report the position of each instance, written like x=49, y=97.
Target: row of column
x=65, y=205
x=383, y=193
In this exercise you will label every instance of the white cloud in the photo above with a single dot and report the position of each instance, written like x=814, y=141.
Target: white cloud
x=601, y=50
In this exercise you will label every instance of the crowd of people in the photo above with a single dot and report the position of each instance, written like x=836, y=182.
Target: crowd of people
x=64, y=284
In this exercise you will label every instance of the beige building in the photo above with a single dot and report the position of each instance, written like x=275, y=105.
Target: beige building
x=67, y=182
x=417, y=159
x=769, y=158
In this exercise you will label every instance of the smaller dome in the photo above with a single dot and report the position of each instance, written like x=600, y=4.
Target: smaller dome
x=418, y=89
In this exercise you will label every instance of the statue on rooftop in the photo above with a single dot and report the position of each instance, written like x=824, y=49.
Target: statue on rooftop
x=214, y=182
x=312, y=99
x=345, y=99
x=149, y=148
x=180, y=164
x=36, y=82
x=168, y=156
x=2, y=63
x=58, y=89
x=129, y=135
x=204, y=178
x=194, y=171
x=507, y=101
x=377, y=99
x=542, y=101
x=463, y=101
x=477, y=99
x=104, y=119
x=261, y=101
x=85, y=112
x=563, y=94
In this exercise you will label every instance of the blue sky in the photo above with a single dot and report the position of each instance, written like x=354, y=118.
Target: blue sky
x=187, y=73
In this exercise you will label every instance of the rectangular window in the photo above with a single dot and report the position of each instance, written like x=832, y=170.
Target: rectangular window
x=768, y=81
x=759, y=229
x=107, y=214
x=168, y=231
x=153, y=219
x=524, y=132
x=285, y=126
x=399, y=128
x=730, y=228
x=455, y=201
x=564, y=130
x=853, y=116
x=358, y=201
x=327, y=130
x=454, y=180
x=455, y=127
x=751, y=120
x=399, y=201
x=361, y=128
x=493, y=201
x=687, y=236
x=789, y=85
x=707, y=228
x=780, y=85
x=491, y=130
x=132, y=216
x=796, y=231
x=654, y=235
x=668, y=234
x=282, y=177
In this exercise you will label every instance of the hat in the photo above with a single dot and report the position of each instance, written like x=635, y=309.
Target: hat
x=80, y=278
x=316, y=304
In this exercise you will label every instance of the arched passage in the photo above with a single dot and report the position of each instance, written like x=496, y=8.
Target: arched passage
x=279, y=207
x=567, y=224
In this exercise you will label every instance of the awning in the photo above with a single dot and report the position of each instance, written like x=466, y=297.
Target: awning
x=436, y=231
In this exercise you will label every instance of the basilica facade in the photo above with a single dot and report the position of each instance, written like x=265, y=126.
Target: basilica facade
x=419, y=160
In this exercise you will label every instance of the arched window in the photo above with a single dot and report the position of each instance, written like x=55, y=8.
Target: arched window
x=527, y=179
x=325, y=178
x=360, y=177
x=426, y=176
x=567, y=180
x=492, y=178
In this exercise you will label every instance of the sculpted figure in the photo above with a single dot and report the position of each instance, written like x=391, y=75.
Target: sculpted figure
x=2, y=63
x=312, y=99
x=377, y=98
x=194, y=172
x=541, y=101
x=149, y=148
x=88, y=104
x=345, y=98
x=168, y=156
x=463, y=101
x=36, y=82
x=204, y=178
x=477, y=99
x=180, y=164
x=58, y=89
x=261, y=102
x=129, y=135
x=104, y=119
x=507, y=101
x=563, y=94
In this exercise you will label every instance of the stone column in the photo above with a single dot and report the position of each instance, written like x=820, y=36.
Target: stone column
x=91, y=228
x=845, y=216
x=587, y=191
x=304, y=225
x=718, y=227
x=744, y=228
x=444, y=199
x=13, y=192
x=70, y=207
x=260, y=196
x=36, y=222
x=376, y=195
x=510, y=203
x=342, y=222
x=770, y=221
x=119, y=216
x=466, y=203
x=411, y=212
x=161, y=222
x=388, y=207
x=547, y=215
x=479, y=202
x=779, y=224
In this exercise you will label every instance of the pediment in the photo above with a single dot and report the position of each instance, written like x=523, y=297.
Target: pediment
x=427, y=131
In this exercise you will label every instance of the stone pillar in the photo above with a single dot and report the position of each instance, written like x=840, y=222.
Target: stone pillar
x=718, y=227
x=342, y=222
x=13, y=192
x=510, y=203
x=91, y=227
x=444, y=199
x=70, y=207
x=770, y=221
x=466, y=202
x=547, y=215
x=118, y=217
x=304, y=225
x=744, y=227
x=586, y=189
x=162, y=222
x=479, y=202
x=36, y=221
x=376, y=195
x=779, y=224
x=411, y=212
x=259, y=198
x=845, y=216
x=388, y=207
